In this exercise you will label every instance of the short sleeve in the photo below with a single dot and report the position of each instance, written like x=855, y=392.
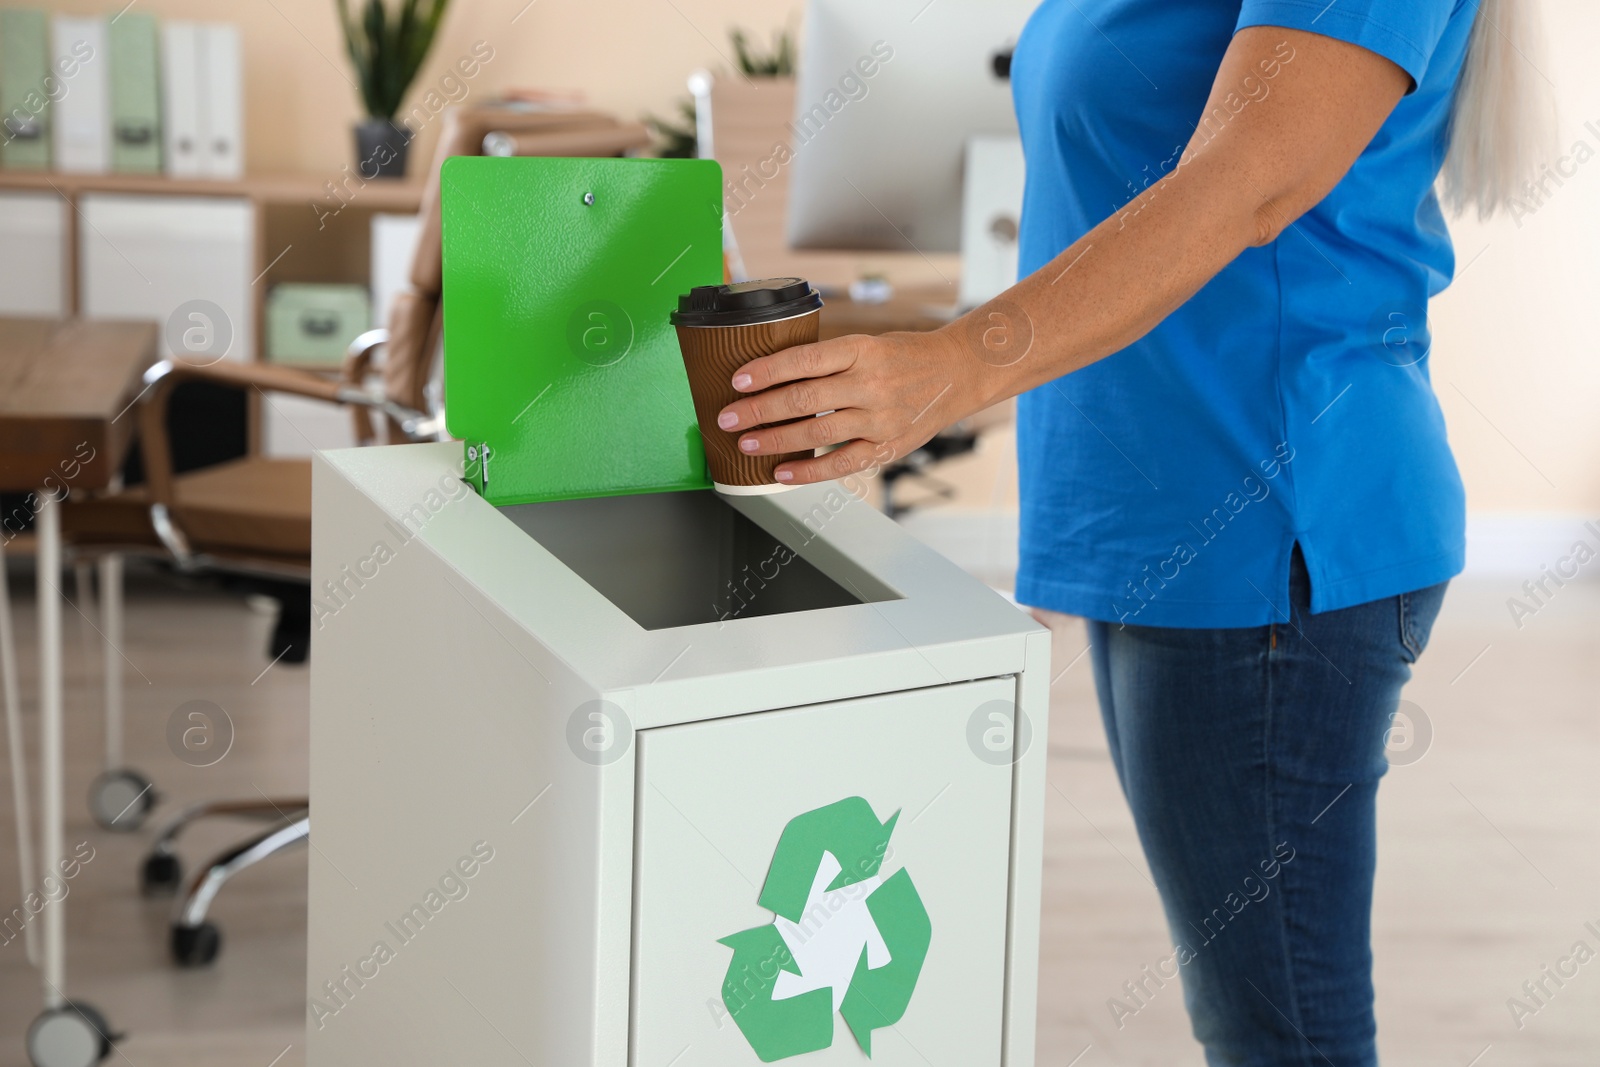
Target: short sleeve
x=1406, y=32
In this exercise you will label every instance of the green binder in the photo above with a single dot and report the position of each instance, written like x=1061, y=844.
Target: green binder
x=24, y=92
x=135, y=95
x=559, y=359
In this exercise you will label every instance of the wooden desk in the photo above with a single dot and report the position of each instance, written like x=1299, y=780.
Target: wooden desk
x=66, y=390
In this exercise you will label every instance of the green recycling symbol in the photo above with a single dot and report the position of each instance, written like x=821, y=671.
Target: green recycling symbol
x=842, y=939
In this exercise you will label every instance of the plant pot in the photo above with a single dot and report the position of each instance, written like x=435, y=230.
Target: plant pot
x=381, y=149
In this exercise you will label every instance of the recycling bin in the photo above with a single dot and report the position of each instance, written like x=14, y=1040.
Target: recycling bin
x=663, y=779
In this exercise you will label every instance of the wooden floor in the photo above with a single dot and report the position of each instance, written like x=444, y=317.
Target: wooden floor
x=1489, y=869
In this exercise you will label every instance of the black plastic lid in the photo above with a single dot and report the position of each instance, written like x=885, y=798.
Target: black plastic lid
x=746, y=303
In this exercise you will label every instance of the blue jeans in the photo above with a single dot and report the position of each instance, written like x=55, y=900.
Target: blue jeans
x=1251, y=759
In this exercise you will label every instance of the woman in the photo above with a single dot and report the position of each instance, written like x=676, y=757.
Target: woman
x=1232, y=461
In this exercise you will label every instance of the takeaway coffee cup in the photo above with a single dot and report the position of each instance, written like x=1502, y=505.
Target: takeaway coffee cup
x=720, y=329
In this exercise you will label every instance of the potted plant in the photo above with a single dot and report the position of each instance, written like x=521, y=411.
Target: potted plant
x=675, y=139
x=387, y=43
x=779, y=63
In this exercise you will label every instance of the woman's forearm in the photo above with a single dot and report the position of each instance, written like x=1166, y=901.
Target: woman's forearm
x=1267, y=149
x=1244, y=177
x=1105, y=291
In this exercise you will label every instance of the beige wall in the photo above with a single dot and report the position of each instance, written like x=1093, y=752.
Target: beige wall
x=1515, y=359
x=628, y=56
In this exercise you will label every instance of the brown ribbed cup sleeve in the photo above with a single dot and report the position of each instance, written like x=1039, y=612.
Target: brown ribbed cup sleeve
x=711, y=354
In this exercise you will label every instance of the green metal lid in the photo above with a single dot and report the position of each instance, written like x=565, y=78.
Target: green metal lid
x=560, y=277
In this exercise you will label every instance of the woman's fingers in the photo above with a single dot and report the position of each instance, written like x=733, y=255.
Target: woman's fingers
x=807, y=434
x=853, y=458
x=808, y=396
x=790, y=365
x=875, y=394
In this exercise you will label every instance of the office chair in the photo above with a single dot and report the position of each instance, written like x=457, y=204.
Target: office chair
x=249, y=519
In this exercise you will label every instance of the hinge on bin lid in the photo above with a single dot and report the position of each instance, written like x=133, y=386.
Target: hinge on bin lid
x=479, y=454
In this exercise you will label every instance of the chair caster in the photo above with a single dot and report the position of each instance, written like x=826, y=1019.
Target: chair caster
x=75, y=1035
x=195, y=946
x=161, y=875
x=119, y=800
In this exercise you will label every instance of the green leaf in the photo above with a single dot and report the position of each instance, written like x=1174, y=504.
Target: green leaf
x=676, y=141
x=779, y=63
x=387, y=48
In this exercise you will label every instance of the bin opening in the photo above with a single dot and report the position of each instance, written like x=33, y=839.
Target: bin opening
x=681, y=558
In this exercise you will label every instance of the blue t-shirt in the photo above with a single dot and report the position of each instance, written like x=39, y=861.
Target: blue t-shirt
x=1287, y=401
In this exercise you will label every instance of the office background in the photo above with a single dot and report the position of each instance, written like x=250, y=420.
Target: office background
x=1518, y=377
x=1489, y=858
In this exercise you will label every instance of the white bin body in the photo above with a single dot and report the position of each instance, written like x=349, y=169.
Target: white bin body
x=535, y=816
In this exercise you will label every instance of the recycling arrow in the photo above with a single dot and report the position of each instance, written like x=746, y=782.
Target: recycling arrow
x=843, y=939
x=878, y=997
x=776, y=1029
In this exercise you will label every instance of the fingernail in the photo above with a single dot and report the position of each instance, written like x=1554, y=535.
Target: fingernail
x=749, y=444
x=784, y=476
x=742, y=381
x=727, y=420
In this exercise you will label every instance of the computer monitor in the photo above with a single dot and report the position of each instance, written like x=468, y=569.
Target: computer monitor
x=889, y=94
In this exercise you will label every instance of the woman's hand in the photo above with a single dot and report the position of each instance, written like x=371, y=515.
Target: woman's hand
x=883, y=397
x=1229, y=191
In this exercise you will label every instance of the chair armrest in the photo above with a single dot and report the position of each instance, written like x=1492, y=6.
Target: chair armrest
x=352, y=381
x=159, y=381
x=264, y=376
x=357, y=365
x=413, y=423
x=358, y=357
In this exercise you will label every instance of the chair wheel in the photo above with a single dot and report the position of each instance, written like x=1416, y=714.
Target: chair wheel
x=75, y=1035
x=195, y=946
x=161, y=875
x=119, y=800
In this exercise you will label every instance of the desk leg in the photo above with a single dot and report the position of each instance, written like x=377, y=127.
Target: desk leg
x=111, y=673
x=119, y=798
x=47, y=526
x=65, y=1034
x=17, y=750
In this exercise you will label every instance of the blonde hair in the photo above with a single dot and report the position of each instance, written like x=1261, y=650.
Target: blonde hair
x=1502, y=123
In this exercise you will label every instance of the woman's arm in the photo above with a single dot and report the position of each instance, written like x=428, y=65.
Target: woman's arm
x=1239, y=183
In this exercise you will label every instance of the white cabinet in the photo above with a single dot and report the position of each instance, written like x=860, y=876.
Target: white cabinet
x=185, y=262
x=394, y=246
x=715, y=799
x=33, y=279
x=657, y=784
